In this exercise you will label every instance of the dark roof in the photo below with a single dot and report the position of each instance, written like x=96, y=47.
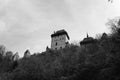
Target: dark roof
x=60, y=32
x=87, y=40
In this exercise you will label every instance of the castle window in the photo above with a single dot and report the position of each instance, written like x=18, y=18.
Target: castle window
x=60, y=47
x=56, y=43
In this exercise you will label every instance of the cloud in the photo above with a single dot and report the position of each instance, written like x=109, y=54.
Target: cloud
x=26, y=21
x=2, y=26
x=27, y=16
x=29, y=23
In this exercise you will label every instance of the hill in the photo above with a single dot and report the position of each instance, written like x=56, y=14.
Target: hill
x=98, y=61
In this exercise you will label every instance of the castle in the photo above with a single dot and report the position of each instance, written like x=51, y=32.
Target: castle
x=59, y=39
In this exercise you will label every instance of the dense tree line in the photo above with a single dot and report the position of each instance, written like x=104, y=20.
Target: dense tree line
x=98, y=61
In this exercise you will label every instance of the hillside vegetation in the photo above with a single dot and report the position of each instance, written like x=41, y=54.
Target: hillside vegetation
x=98, y=61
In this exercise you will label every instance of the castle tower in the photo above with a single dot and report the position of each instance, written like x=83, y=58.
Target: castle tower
x=59, y=39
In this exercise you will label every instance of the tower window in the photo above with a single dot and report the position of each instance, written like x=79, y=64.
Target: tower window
x=56, y=43
x=60, y=47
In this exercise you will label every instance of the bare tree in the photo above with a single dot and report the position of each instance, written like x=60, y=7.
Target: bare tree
x=110, y=1
x=114, y=24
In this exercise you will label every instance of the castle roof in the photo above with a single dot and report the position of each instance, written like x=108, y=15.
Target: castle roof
x=60, y=32
x=87, y=40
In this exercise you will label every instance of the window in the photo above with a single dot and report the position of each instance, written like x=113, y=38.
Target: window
x=60, y=47
x=56, y=43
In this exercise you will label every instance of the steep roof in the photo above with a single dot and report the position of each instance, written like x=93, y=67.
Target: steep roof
x=60, y=32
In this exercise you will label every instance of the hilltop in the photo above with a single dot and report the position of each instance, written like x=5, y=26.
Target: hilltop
x=90, y=61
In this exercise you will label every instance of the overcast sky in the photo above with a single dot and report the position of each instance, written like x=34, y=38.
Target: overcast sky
x=28, y=24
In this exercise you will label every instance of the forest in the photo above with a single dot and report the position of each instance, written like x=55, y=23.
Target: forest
x=90, y=61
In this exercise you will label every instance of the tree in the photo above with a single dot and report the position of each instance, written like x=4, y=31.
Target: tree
x=114, y=24
x=9, y=54
x=27, y=54
x=2, y=50
x=110, y=1
x=16, y=56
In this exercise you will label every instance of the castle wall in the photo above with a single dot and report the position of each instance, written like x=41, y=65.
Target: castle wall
x=58, y=42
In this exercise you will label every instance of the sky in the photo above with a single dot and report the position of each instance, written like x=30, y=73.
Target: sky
x=28, y=24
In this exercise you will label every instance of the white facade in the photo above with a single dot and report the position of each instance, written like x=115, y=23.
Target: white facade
x=59, y=42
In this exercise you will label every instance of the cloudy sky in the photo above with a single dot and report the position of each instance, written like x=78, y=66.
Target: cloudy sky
x=28, y=24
